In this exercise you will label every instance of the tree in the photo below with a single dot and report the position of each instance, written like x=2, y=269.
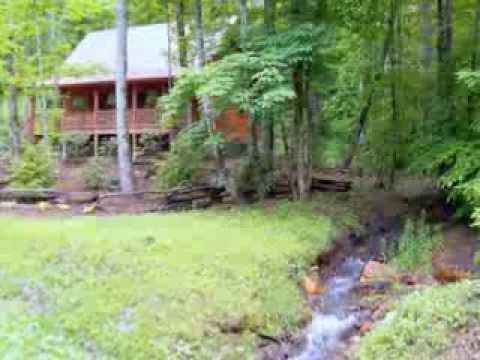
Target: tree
x=207, y=113
x=124, y=159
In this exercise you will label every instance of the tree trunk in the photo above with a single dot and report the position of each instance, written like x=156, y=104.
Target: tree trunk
x=471, y=99
x=12, y=107
x=42, y=99
x=124, y=159
x=207, y=113
x=269, y=15
x=446, y=68
x=267, y=123
x=427, y=53
x=243, y=21
x=182, y=47
x=365, y=110
x=181, y=33
x=301, y=138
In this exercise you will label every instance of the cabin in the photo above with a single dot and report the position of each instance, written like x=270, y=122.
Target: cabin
x=89, y=97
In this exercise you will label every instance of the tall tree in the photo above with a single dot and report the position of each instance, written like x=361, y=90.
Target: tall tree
x=123, y=156
x=471, y=98
x=427, y=54
x=446, y=67
x=181, y=33
x=12, y=105
x=243, y=20
x=267, y=121
x=207, y=111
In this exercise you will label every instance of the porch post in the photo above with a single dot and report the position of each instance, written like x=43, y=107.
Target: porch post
x=30, y=128
x=134, y=120
x=96, y=105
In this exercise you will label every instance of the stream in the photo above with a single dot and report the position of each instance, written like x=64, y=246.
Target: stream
x=335, y=314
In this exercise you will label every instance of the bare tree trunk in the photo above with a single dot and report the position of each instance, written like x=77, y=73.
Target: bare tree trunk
x=365, y=110
x=207, y=113
x=300, y=149
x=12, y=107
x=446, y=68
x=426, y=54
x=181, y=33
x=269, y=15
x=182, y=47
x=42, y=99
x=268, y=126
x=471, y=99
x=243, y=21
x=124, y=159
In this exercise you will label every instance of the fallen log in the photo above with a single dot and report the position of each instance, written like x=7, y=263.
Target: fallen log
x=78, y=197
x=28, y=196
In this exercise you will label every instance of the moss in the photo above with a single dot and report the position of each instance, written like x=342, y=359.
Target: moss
x=154, y=286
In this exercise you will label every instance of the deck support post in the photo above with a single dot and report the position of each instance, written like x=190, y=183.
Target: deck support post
x=95, y=144
x=96, y=106
x=30, y=126
x=133, y=125
x=64, y=150
x=134, y=146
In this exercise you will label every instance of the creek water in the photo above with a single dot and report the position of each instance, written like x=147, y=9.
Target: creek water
x=335, y=314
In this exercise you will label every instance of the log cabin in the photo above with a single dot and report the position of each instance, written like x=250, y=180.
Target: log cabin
x=88, y=100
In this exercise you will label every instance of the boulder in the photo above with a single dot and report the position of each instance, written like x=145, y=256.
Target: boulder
x=377, y=272
x=311, y=284
x=366, y=327
x=448, y=274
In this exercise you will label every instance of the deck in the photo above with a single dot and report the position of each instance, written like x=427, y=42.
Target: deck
x=102, y=122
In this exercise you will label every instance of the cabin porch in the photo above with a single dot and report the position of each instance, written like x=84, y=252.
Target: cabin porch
x=90, y=109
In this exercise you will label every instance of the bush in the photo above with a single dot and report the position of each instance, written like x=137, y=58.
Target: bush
x=416, y=246
x=78, y=145
x=184, y=161
x=34, y=169
x=97, y=175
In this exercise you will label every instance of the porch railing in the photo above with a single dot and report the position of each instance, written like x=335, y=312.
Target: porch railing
x=103, y=121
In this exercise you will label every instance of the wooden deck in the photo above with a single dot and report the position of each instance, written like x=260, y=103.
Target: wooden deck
x=102, y=122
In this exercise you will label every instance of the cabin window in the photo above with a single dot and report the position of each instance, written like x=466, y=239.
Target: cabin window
x=79, y=103
x=110, y=101
x=148, y=98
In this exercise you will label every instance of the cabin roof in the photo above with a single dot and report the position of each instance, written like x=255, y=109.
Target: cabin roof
x=147, y=55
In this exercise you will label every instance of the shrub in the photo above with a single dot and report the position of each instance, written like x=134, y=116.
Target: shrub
x=97, y=175
x=34, y=169
x=416, y=246
x=78, y=145
x=184, y=161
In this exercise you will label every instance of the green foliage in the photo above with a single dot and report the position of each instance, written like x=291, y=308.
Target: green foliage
x=184, y=161
x=98, y=175
x=34, y=169
x=144, y=287
x=420, y=326
x=416, y=246
x=477, y=258
x=77, y=145
x=457, y=167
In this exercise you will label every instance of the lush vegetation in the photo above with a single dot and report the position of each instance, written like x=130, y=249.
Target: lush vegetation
x=170, y=286
x=415, y=247
x=423, y=323
x=35, y=169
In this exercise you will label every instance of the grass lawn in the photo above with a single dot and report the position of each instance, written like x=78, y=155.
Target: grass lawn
x=153, y=287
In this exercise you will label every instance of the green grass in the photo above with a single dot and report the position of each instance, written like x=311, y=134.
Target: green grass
x=153, y=287
x=422, y=323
